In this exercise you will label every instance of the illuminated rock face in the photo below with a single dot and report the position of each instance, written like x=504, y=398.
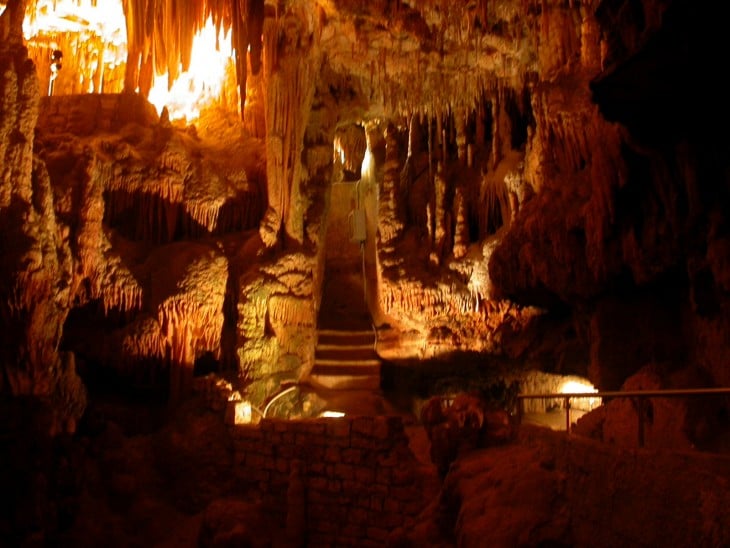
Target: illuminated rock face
x=537, y=187
x=150, y=209
x=37, y=266
x=515, y=203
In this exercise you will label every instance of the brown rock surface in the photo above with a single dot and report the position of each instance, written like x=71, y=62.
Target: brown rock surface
x=547, y=489
x=544, y=184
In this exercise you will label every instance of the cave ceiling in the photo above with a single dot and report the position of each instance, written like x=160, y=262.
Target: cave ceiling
x=388, y=57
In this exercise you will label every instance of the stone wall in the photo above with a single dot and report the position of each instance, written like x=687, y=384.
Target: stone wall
x=92, y=113
x=346, y=481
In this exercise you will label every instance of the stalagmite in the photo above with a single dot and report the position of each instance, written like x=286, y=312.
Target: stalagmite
x=442, y=217
x=389, y=216
x=461, y=230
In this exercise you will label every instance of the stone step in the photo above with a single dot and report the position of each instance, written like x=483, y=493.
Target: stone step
x=345, y=357
x=346, y=360
x=363, y=367
x=339, y=380
x=345, y=353
x=335, y=337
x=348, y=363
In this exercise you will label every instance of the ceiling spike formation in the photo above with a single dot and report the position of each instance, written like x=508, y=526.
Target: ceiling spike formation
x=288, y=310
x=160, y=37
x=116, y=286
x=190, y=327
x=191, y=315
x=173, y=196
x=448, y=309
x=400, y=298
x=142, y=339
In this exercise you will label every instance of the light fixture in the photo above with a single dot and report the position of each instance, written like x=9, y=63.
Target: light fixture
x=581, y=387
x=331, y=414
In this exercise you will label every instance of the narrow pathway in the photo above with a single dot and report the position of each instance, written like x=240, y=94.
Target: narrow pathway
x=347, y=369
x=345, y=357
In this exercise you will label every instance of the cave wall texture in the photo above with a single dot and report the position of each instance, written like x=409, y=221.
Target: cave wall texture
x=548, y=184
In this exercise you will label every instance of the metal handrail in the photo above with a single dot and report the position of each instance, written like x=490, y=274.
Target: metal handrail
x=286, y=390
x=635, y=394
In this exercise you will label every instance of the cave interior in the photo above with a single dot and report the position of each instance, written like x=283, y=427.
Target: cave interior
x=225, y=222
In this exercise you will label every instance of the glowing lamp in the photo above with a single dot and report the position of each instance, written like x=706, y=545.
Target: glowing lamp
x=578, y=387
x=238, y=412
x=331, y=414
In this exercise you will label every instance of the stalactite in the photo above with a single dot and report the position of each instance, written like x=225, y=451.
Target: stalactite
x=461, y=138
x=494, y=204
x=240, y=40
x=255, y=17
x=191, y=319
x=287, y=310
x=145, y=75
x=409, y=298
x=160, y=37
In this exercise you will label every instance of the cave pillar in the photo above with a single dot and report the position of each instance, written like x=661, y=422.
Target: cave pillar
x=390, y=222
x=291, y=66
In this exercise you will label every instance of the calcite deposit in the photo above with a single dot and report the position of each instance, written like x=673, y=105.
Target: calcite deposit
x=516, y=186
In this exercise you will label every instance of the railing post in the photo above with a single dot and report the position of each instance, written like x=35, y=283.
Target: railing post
x=641, y=401
x=639, y=405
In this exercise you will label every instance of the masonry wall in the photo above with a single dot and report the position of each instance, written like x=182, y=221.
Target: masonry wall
x=334, y=482
x=87, y=114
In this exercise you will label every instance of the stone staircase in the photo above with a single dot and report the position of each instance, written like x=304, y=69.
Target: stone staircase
x=345, y=357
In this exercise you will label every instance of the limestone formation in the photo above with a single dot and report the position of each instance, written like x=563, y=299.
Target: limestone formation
x=518, y=155
x=543, y=185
